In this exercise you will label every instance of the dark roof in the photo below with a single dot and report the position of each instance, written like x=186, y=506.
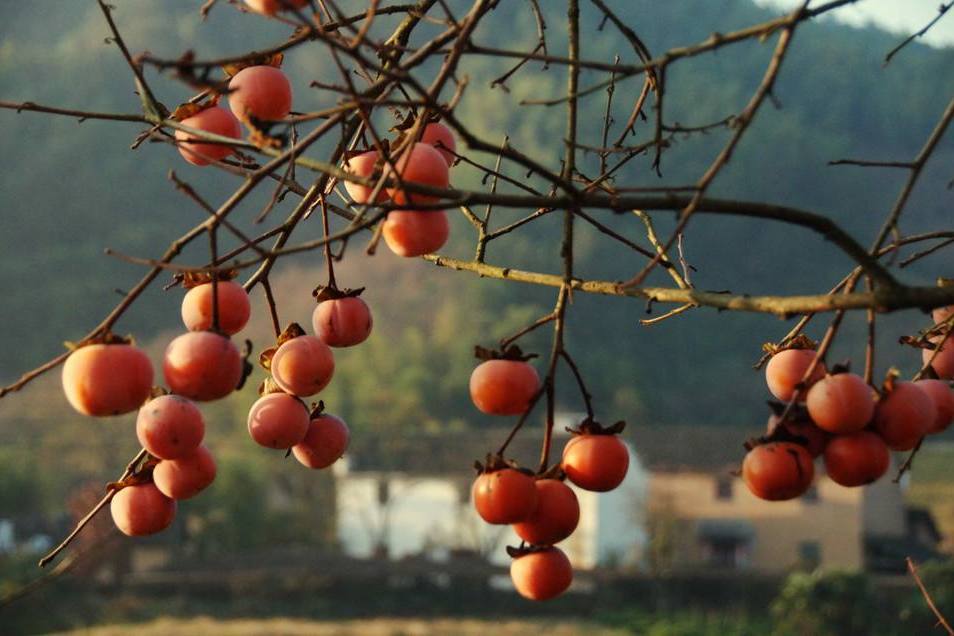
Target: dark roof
x=661, y=448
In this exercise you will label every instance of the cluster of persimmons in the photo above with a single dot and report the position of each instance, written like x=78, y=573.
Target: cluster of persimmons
x=542, y=509
x=833, y=414
x=839, y=417
x=109, y=375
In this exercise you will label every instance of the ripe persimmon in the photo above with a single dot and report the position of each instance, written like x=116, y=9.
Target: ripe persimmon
x=107, y=379
x=185, y=477
x=342, y=322
x=541, y=574
x=303, y=366
x=278, y=420
x=809, y=435
x=233, y=304
x=363, y=166
x=262, y=92
x=856, y=459
x=841, y=403
x=596, y=462
x=940, y=314
x=504, y=496
x=140, y=509
x=943, y=398
x=324, y=443
x=943, y=362
x=504, y=387
x=215, y=120
x=271, y=7
x=786, y=369
x=422, y=165
x=170, y=426
x=555, y=516
x=778, y=471
x=904, y=415
x=202, y=366
x=440, y=136
x=413, y=233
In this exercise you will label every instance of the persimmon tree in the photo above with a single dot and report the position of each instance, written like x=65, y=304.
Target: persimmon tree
x=397, y=145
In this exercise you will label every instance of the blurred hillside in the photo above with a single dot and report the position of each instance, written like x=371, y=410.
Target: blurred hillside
x=69, y=189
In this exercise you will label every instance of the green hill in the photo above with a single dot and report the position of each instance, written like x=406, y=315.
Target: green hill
x=67, y=190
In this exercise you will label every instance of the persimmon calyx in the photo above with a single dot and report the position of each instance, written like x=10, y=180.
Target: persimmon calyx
x=106, y=338
x=322, y=293
x=495, y=461
x=317, y=409
x=515, y=552
x=273, y=59
x=589, y=426
x=191, y=279
x=513, y=352
x=801, y=341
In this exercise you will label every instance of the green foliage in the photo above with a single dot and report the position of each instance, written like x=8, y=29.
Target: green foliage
x=827, y=114
x=825, y=603
x=19, y=487
x=255, y=504
x=70, y=190
x=687, y=623
x=938, y=579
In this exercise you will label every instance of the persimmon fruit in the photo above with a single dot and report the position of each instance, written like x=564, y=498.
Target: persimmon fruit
x=278, y=420
x=262, y=92
x=943, y=397
x=541, y=574
x=214, y=120
x=787, y=368
x=363, y=166
x=504, y=387
x=342, y=322
x=814, y=439
x=202, y=366
x=596, y=462
x=943, y=362
x=904, y=415
x=841, y=403
x=856, y=459
x=324, y=443
x=107, y=379
x=421, y=165
x=778, y=471
x=414, y=233
x=233, y=304
x=504, y=496
x=186, y=476
x=170, y=426
x=140, y=510
x=303, y=366
x=555, y=516
x=440, y=136
x=271, y=7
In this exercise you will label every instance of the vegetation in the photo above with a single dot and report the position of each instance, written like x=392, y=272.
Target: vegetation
x=414, y=382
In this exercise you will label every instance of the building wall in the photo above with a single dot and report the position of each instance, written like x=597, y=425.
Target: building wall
x=883, y=506
x=414, y=515
x=678, y=501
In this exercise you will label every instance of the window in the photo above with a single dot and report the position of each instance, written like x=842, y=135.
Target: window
x=726, y=553
x=809, y=554
x=726, y=543
x=724, y=487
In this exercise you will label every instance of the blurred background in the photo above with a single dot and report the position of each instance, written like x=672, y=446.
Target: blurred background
x=386, y=542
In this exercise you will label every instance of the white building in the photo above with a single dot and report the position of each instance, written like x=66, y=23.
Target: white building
x=401, y=501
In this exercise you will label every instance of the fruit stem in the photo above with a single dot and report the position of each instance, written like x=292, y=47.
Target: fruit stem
x=82, y=523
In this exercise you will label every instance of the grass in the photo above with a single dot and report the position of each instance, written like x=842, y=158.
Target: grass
x=207, y=626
